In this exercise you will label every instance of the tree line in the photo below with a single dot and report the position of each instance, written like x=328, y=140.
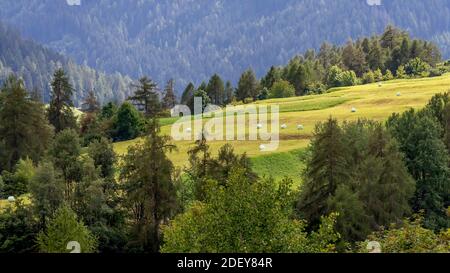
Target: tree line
x=363, y=181
x=391, y=55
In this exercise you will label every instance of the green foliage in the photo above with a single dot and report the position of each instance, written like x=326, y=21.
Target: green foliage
x=188, y=93
x=102, y=152
x=16, y=183
x=245, y=217
x=18, y=229
x=409, y=237
x=416, y=67
x=24, y=131
x=247, y=86
x=204, y=168
x=401, y=73
x=333, y=78
x=146, y=97
x=216, y=90
x=281, y=89
x=369, y=77
x=378, y=75
x=348, y=78
x=357, y=171
x=206, y=100
x=271, y=77
x=127, y=123
x=60, y=113
x=388, y=75
x=146, y=175
x=64, y=153
x=419, y=135
x=65, y=228
x=47, y=191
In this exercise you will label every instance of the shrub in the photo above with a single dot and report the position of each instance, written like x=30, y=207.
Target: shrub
x=416, y=67
x=388, y=75
x=369, y=77
x=282, y=89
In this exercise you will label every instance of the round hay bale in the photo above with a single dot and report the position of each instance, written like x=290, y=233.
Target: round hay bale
x=262, y=147
x=300, y=127
x=380, y=84
x=399, y=94
x=354, y=110
x=11, y=199
x=284, y=126
x=259, y=126
x=189, y=130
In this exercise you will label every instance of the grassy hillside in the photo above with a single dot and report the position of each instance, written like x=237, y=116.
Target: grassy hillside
x=371, y=101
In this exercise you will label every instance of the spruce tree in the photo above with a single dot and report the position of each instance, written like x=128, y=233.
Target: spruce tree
x=326, y=170
x=247, y=86
x=146, y=97
x=216, y=90
x=60, y=112
x=188, y=93
x=24, y=130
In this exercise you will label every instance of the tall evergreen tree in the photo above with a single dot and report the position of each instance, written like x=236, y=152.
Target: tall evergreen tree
x=24, y=130
x=60, y=112
x=188, y=93
x=146, y=97
x=326, y=170
x=247, y=86
x=271, y=77
x=216, y=90
x=149, y=190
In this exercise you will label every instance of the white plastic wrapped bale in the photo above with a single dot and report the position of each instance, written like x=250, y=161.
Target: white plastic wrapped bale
x=262, y=147
x=188, y=130
x=300, y=127
x=284, y=126
x=399, y=94
x=353, y=110
x=11, y=199
x=259, y=126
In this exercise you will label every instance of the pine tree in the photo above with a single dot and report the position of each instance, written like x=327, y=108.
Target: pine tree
x=247, y=86
x=376, y=59
x=188, y=93
x=24, y=130
x=149, y=190
x=169, y=100
x=271, y=77
x=326, y=170
x=146, y=97
x=216, y=90
x=65, y=228
x=60, y=112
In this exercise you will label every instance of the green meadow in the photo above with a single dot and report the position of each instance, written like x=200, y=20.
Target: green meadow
x=370, y=101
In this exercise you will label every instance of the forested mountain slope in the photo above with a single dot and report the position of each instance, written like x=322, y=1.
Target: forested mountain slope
x=36, y=65
x=189, y=40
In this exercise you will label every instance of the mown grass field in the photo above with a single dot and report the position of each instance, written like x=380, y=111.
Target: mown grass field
x=371, y=101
